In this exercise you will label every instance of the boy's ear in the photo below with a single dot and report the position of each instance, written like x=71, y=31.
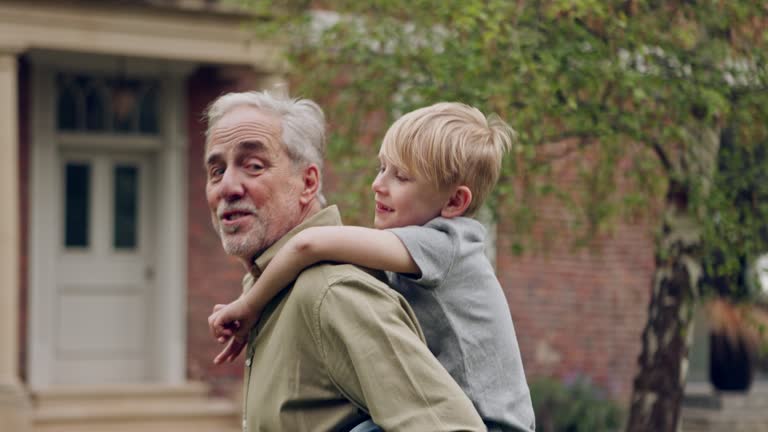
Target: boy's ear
x=457, y=203
x=311, y=184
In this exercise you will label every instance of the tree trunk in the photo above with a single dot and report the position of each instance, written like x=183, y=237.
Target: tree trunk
x=659, y=385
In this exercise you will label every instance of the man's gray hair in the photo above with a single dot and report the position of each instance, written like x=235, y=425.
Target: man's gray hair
x=302, y=122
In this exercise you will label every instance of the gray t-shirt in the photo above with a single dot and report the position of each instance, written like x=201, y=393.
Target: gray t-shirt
x=465, y=318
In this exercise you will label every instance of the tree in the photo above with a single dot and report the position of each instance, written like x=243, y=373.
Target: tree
x=657, y=80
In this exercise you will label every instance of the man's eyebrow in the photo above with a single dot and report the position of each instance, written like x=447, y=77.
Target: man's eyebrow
x=213, y=158
x=251, y=146
x=254, y=146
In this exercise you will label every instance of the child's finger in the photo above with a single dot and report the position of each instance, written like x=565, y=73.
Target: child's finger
x=223, y=331
x=225, y=353
x=221, y=357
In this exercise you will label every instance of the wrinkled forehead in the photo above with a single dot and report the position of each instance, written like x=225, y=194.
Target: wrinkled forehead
x=244, y=123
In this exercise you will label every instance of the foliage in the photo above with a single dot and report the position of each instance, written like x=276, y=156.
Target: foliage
x=608, y=74
x=735, y=227
x=575, y=407
x=628, y=94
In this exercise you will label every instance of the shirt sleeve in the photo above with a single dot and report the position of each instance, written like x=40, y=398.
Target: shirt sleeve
x=374, y=351
x=432, y=248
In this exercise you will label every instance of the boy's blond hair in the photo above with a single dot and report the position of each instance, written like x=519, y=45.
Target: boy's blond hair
x=450, y=144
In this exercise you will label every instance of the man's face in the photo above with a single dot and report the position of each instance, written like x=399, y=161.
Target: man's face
x=252, y=185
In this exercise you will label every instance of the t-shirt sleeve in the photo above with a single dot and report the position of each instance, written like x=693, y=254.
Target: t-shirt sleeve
x=433, y=249
x=375, y=354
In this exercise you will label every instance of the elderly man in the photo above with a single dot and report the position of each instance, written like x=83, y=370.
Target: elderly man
x=338, y=344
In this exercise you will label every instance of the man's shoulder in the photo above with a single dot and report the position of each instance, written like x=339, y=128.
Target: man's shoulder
x=317, y=282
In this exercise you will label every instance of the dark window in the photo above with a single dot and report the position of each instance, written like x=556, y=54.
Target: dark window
x=107, y=104
x=126, y=206
x=77, y=196
x=67, y=107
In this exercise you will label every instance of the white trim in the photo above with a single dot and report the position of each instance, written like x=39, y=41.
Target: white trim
x=168, y=155
x=81, y=62
x=9, y=221
x=172, y=236
x=43, y=226
x=137, y=31
x=84, y=141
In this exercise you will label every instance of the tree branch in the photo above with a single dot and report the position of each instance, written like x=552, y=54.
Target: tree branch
x=584, y=140
x=662, y=154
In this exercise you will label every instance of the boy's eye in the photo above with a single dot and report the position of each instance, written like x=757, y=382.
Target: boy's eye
x=401, y=176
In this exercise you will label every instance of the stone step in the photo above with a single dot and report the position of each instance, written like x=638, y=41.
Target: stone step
x=707, y=397
x=706, y=410
x=123, y=408
x=119, y=392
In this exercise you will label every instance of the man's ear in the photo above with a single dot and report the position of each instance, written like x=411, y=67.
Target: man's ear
x=311, y=184
x=457, y=203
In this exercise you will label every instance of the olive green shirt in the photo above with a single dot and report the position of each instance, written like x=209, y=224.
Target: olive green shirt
x=339, y=343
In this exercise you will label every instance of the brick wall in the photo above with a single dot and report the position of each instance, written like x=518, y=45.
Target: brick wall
x=579, y=311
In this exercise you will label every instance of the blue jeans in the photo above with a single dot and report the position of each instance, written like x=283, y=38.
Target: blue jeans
x=366, y=426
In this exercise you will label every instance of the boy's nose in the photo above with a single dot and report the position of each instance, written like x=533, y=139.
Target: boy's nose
x=378, y=184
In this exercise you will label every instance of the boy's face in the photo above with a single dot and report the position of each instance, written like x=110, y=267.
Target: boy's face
x=403, y=199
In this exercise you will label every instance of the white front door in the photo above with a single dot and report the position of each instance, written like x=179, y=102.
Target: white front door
x=102, y=331
x=107, y=257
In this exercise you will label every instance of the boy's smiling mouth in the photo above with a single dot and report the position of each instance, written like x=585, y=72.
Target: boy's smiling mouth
x=382, y=208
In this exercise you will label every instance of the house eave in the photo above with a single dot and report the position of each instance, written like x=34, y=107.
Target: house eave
x=164, y=33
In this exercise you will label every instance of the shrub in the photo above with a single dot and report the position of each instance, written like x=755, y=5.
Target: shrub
x=575, y=407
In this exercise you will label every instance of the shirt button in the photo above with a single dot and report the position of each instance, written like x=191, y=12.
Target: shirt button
x=245, y=425
x=248, y=362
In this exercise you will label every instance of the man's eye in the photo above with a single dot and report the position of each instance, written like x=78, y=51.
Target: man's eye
x=254, y=166
x=215, y=172
x=402, y=177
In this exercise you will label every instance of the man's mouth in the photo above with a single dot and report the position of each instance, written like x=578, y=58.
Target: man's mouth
x=234, y=215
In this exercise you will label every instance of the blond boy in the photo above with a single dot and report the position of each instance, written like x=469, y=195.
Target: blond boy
x=438, y=164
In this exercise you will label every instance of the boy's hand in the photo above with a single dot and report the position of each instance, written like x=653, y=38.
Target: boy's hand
x=221, y=333
x=231, y=323
x=231, y=351
x=236, y=317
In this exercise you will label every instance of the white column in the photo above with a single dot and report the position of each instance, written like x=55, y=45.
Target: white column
x=14, y=404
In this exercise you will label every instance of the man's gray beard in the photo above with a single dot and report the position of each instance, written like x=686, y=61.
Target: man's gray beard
x=245, y=246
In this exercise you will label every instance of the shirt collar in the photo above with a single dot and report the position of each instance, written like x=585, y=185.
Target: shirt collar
x=326, y=217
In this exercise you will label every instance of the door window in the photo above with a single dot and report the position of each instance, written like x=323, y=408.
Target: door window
x=77, y=204
x=126, y=193
x=87, y=103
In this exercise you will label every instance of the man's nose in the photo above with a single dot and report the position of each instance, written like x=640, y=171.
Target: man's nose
x=231, y=186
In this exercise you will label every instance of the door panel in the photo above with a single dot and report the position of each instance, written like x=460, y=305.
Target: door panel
x=101, y=326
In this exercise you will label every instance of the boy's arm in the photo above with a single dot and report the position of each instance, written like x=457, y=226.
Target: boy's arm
x=365, y=247
x=361, y=246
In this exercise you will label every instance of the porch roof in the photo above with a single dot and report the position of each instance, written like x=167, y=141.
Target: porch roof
x=213, y=36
